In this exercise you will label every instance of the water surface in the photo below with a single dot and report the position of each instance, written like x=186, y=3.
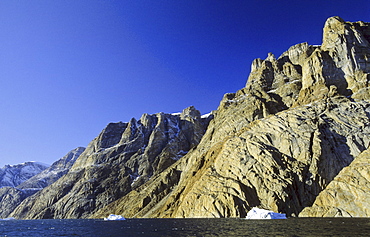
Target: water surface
x=189, y=227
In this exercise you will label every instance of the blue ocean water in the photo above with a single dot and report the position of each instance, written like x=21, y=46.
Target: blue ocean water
x=189, y=227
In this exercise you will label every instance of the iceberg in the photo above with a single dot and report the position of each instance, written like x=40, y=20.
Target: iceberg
x=8, y=219
x=113, y=217
x=257, y=213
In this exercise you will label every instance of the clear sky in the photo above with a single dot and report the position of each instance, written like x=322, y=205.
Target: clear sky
x=69, y=67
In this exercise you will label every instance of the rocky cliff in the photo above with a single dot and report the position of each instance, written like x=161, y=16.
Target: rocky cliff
x=123, y=157
x=290, y=140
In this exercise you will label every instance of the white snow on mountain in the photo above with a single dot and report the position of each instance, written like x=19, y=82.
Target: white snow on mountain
x=13, y=175
x=206, y=115
x=54, y=172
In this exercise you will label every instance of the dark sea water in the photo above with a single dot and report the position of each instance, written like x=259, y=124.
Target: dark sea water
x=189, y=227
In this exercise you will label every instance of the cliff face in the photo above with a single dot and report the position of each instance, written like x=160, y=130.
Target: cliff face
x=123, y=157
x=280, y=141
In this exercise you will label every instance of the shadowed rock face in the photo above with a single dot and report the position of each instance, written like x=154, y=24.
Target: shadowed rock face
x=278, y=142
x=123, y=157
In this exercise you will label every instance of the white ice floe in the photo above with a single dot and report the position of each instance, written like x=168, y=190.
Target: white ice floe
x=113, y=217
x=8, y=219
x=257, y=213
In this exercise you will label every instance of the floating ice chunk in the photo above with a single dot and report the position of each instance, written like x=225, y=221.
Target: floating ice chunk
x=113, y=217
x=8, y=219
x=257, y=213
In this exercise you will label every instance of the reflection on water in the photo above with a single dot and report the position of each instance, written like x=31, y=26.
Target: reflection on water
x=189, y=227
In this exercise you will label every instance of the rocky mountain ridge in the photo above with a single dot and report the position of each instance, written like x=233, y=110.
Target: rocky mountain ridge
x=294, y=140
x=279, y=142
x=123, y=157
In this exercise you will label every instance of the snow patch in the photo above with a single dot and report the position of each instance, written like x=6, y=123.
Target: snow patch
x=135, y=178
x=113, y=217
x=257, y=213
x=272, y=91
x=206, y=115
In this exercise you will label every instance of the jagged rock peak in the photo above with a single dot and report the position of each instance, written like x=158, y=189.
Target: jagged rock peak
x=120, y=133
x=190, y=112
x=306, y=73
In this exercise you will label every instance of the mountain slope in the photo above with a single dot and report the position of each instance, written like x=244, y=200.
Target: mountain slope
x=278, y=142
x=123, y=157
x=11, y=197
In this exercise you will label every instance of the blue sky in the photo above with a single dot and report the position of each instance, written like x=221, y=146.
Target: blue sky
x=68, y=68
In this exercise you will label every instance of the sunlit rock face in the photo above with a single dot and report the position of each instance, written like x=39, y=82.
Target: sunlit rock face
x=279, y=142
x=120, y=159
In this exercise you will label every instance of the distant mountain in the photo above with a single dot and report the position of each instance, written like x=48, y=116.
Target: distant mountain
x=11, y=197
x=14, y=175
x=54, y=172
